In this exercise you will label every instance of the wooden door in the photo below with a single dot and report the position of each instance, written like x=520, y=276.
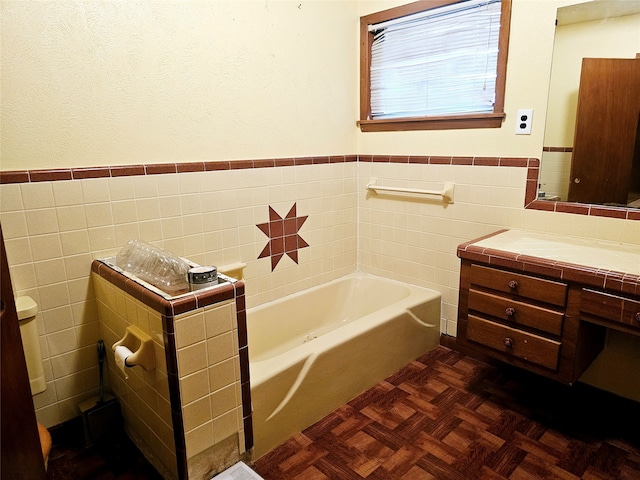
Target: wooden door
x=606, y=130
x=21, y=454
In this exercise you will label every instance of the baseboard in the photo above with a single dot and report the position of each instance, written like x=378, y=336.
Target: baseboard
x=448, y=341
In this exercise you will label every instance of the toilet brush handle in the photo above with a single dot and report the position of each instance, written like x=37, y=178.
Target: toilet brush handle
x=101, y=353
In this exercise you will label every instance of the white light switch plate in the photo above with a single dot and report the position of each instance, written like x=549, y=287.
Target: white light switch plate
x=523, y=121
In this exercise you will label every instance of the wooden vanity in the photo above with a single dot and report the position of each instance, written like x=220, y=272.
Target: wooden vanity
x=546, y=303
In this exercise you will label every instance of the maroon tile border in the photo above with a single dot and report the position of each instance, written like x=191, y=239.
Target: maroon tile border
x=127, y=170
x=93, y=172
x=190, y=167
x=241, y=164
x=216, y=166
x=532, y=164
x=557, y=149
x=21, y=176
x=49, y=175
x=284, y=162
x=446, y=160
x=160, y=168
x=243, y=353
x=42, y=175
x=582, y=208
x=609, y=212
x=464, y=246
x=594, y=277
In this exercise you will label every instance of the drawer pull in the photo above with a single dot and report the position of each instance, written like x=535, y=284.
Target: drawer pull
x=508, y=342
x=512, y=284
x=636, y=317
x=510, y=312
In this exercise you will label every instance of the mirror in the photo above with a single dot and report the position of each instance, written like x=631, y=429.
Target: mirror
x=596, y=29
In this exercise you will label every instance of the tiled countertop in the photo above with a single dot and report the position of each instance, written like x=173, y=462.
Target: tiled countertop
x=601, y=264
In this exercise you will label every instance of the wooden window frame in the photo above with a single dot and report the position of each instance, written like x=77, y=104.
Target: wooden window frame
x=447, y=122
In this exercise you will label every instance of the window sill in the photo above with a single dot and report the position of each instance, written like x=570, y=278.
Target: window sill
x=449, y=122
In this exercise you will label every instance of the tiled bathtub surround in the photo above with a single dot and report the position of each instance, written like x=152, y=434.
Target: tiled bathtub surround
x=192, y=414
x=54, y=228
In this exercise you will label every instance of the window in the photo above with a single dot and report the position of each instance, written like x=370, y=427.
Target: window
x=434, y=64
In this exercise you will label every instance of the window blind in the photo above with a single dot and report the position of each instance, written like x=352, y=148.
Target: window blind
x=438, y=62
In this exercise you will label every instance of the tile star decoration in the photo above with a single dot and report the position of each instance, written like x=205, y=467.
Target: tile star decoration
x=283, y=235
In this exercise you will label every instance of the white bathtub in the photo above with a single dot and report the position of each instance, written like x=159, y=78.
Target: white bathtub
x=313, y=351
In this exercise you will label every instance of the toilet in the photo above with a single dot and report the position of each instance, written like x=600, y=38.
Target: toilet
x=27, y=311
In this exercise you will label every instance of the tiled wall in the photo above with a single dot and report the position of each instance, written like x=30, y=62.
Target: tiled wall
x=555, y=175
x=210, y=212
x=210, y=387
x=144, y=395
x=54, y=229
x=414, y=239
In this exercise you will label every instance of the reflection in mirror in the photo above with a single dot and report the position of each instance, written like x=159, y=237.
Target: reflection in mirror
x=598, y=29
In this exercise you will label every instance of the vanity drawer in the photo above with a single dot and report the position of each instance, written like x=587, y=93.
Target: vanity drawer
x=516, y=312
x=539, y=289
x=527, y=346
x=619, y=310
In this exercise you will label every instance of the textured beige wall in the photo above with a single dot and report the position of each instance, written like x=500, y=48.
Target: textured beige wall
x=110, y=83
x=530, y=48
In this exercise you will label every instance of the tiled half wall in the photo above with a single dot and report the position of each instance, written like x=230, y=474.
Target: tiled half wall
x=191, y=414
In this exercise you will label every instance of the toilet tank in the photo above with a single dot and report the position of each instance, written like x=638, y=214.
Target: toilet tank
x=27, y=312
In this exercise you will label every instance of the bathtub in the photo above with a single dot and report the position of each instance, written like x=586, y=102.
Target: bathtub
x=312, y=351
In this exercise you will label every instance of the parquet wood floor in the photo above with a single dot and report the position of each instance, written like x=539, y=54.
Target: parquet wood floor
x=449, y=416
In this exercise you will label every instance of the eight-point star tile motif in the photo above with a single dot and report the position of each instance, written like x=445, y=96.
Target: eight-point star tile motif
x=283, y=235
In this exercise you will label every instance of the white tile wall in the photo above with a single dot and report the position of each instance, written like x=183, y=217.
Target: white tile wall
x=415, y=239
x=555, y=173
x=53, y=229
x=209, y=375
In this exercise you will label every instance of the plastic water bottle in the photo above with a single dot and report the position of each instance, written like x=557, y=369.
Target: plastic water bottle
x=160, y=268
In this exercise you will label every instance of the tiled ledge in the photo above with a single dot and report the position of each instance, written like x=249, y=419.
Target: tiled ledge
x=168, y=308
x=532, y=165
x=602, y=278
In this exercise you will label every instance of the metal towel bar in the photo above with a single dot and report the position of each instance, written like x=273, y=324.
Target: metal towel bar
x=446, y=193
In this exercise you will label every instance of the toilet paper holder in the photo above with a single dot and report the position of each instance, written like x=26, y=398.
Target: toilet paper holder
x=141, y=346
